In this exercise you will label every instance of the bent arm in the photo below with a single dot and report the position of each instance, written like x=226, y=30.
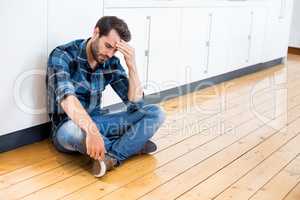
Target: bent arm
x=75, y=111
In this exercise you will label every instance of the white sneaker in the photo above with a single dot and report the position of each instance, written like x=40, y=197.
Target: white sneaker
x=100, y=167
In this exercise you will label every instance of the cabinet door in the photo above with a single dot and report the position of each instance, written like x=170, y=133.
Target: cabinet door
x=218, y=43
x=258, y=29
x=278, y=29
x=194, y=49
x=164, y=51
x=218, y=54
x=155, y=36
x=23, y=61
x=67, y=20
x=138, y=24
x=239, y=25
x=295, y=26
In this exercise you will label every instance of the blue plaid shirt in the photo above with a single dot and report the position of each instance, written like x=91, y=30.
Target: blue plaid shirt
x=69, y=73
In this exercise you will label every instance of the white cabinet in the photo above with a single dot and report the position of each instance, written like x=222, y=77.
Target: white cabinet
x=180, y=44
x=239, y=23
x=23, y=61
x=218, y=55
x=155, y=37
x=204, y=43
x=218, y=40
x=295, y=26
x=246, y=31
x=277, y=29
x=207, y=41
x=164, y=51
x=257, y=35
x=196, y=27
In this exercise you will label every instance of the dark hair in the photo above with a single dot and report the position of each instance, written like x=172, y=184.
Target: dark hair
x=107, y=23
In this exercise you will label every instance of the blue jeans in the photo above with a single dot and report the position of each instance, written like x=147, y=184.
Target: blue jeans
x=124, y=133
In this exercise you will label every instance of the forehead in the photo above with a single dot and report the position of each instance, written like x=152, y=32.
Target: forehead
x=112, y=37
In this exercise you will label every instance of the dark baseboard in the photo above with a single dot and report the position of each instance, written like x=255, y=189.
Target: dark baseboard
x=25, y=136
x=294, y=50
x=37, y=133
x=184, y=89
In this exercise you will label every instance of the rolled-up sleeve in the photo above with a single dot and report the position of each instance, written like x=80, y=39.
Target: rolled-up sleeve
x=120, y=85
x=64, y=86
x=59, y=82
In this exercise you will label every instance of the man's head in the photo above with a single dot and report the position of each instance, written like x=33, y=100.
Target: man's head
x=108, y=31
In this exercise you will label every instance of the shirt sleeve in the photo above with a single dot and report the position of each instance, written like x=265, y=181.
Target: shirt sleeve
x=58, y=77
x=120, y=85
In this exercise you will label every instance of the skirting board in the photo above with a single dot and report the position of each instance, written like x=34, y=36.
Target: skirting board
x=294, y=50
x=37, y=133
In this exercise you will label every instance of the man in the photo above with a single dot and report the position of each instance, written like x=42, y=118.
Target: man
x=77, y=74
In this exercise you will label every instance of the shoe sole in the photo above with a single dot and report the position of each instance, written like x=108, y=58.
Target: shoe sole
x=99, y=172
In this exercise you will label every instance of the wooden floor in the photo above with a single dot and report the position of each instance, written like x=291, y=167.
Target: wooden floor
x=236, y=140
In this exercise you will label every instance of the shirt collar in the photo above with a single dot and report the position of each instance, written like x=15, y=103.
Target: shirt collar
x=82, y=57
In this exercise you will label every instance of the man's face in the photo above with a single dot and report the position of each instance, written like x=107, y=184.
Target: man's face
x=104, y=47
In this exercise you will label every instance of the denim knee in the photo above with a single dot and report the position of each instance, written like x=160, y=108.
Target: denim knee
x=154, y=117
x=70, y=137
x=156, y=112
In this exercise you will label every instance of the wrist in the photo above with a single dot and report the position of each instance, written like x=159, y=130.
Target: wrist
x=90, y=128
x=132, y=70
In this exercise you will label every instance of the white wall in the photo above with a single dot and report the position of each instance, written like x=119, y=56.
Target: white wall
x=29, y=31
x=295, y=27
x=23, y=49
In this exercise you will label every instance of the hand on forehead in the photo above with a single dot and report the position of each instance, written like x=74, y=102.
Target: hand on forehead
x=120, y=43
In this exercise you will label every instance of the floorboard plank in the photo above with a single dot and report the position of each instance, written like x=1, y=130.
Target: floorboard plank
x=282, y=183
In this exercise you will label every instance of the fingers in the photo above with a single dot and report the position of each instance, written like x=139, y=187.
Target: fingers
x=123, y=52
x=97, y=153
x=93, y=153
x=125, y=48
x=88, y=149
x=102, y=155
x=95, y=148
